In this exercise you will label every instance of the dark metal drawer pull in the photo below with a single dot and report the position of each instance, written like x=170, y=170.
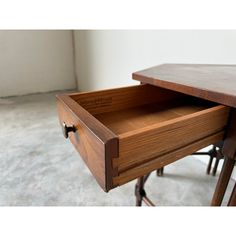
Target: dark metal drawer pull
x=66, y=129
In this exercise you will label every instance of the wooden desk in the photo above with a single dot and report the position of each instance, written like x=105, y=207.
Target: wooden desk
x=125, y=133
x=215, y=83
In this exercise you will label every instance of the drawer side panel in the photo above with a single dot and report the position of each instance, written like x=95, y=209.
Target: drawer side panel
x=96, y=151
x=166, y=159
x=143, y=145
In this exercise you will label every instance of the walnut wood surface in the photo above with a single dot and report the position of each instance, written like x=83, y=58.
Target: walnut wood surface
x=122, y=130
x=229, y=152
x=232, y=200
x=229, y=147
x=96, y=144
x=165, y=159
x=136, y=118
x=122, y=98
x=223, y=181
x=211, y=82
x=149, y=142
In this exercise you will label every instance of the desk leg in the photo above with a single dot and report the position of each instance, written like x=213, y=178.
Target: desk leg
x=223, y=181
x=229, y=151
x=232, y=200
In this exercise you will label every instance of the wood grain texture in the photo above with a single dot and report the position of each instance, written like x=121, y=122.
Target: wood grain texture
x=121, y=130
x=96, y=144
x=211, y=82
x=223, y=181
x=232, y=200
x=146, y=143
x=229, y=147
x=135, y=118
x=122, y=98
x=166, y=159
x=229, y=152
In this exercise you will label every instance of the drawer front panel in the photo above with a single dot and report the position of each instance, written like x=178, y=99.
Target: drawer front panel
x=95, y=143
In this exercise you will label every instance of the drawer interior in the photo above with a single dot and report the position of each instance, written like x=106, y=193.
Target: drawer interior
x=126, y=120
x=128, y=109
x=124, y=133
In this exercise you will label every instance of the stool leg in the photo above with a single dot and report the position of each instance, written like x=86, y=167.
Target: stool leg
x=215, y=166
x=232, y=200
x=209, y=165
x=223, y=181
x=138, y=202
x=160, y=171
x=138, y=191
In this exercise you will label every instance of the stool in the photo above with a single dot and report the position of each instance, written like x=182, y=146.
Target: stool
x=215, y=152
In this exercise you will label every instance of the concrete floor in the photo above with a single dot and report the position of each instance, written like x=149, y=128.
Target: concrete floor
x=39, y=167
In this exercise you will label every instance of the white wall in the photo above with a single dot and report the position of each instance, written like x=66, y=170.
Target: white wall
x=107, y=58
x=35, y=61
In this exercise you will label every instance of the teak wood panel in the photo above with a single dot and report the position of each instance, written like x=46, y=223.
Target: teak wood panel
x=96, y=144
x=211, y=82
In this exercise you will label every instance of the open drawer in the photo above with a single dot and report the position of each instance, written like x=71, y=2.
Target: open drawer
x=125, y=133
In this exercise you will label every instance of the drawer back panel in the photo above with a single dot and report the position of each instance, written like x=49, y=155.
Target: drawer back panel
x=123, y=98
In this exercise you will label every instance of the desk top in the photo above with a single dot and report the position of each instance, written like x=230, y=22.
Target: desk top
x=216, y=83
